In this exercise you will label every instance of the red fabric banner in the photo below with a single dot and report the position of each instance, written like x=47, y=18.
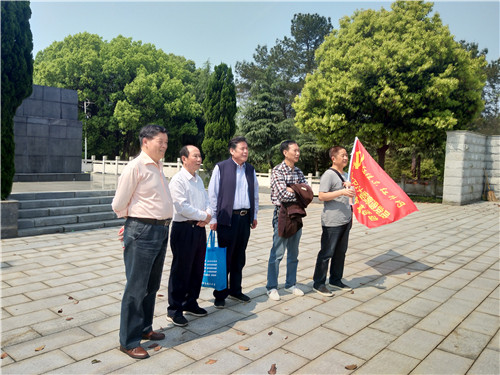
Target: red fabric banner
x=379, y=200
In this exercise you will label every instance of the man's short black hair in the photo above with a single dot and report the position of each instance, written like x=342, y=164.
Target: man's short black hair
x=286, y=144
x=184, y=151
x=335, y=150
x=150, y=131
x=234, y=142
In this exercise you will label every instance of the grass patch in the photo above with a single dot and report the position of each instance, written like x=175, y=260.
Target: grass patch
x=425, y=199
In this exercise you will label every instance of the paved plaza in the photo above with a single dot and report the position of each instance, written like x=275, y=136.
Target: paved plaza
x=425, y=300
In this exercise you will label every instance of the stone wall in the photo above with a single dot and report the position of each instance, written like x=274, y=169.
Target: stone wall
x=468, y=157
x=47, y=132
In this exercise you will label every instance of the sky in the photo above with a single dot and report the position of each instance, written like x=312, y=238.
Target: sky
x=226, y=31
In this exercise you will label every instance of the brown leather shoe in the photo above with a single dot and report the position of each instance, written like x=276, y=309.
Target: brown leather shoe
x=137, y=353
x=154, y=336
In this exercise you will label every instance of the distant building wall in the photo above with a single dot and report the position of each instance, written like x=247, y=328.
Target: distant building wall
x=469, y=156
x=47, y=132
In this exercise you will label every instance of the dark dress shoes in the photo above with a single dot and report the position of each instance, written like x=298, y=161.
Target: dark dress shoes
x=154, y=336
x=137, y=353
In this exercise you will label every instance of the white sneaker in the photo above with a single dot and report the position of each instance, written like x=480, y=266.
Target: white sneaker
x=295, y=291
x=273, y=294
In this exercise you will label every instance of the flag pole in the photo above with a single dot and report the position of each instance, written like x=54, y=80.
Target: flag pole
x=352, y=156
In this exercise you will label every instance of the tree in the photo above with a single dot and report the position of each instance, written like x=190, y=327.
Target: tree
x=127, y=84
x=17, y=78
x=268, y=85
x=264, y=124
x=220, y=111
x=391, y=77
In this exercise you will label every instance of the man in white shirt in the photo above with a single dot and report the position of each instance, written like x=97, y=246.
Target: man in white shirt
x=188, y=238
x=142, y=196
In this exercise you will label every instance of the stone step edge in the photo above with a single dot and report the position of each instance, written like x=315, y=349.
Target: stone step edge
x=68, y=228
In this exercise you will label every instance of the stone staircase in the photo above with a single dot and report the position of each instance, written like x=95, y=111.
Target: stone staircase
x=57, y=212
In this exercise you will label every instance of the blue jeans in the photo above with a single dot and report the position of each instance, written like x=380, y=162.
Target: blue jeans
x=144, y=255
x=280, y=244
x=334, y=242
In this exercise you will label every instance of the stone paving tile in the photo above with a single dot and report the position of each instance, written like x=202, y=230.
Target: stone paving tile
x=164, y=361
x=41, y=304
x=214, y=321
x=304, y=322
x=366, y=343
x=465, y=343
x=108, y=361
x=197, y=347
x=27, y=319
x=482, y=323
x=50, y=342
x=378, y=306
x=227, y=362
x=315, y=343
x=336, y=306
x=418, y=306
x=259, y=322
x=18, y=335
x=388, y=362
x=39, y=364
x=495, y=342
x=487, y=363
x=102, y=326
x=262, y=343
x=61, y=324
x=332, y=362
x=294, y=306
x=395, y=323
x=440, y=362
x=285, y=361
x=416, y=343
x=91, y=346
x=350, y=322
x=47, y=292
x=16, y=299
x=436, y=293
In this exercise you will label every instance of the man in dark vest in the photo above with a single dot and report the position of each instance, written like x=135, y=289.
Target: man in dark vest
x=234, y=200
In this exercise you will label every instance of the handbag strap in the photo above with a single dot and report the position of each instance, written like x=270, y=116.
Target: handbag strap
x=338, y=174
x=211, y=239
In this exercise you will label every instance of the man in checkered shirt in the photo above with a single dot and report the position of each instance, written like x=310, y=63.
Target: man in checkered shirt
x=283, y=175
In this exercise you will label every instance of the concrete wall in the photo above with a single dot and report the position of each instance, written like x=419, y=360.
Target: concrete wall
x=468, y=156
x=47, y=132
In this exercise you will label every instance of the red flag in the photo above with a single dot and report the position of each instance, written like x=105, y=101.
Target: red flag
x=379, y=200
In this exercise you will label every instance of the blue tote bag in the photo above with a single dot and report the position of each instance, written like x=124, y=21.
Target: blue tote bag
x=214, y=274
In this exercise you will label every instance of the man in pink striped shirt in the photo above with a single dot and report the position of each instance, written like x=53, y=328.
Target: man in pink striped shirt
x=143, y=198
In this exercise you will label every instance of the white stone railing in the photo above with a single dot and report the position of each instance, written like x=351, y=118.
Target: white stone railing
x=115, y=167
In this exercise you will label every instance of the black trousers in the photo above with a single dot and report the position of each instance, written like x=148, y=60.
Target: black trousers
x=235, y=239
x=334, y=242
x=188, y=243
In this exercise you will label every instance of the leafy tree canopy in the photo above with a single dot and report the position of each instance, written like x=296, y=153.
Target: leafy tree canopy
x=391, y=77
x=125, y=84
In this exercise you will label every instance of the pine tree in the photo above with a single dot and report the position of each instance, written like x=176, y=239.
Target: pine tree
x=220, y=110
x=17, y=78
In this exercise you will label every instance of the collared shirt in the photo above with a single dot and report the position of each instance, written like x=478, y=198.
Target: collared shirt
x=143, y=191
x=241, y=198
x=282, y=176
x=189, y=196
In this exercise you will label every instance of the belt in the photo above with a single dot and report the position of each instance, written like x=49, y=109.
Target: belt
x=192, y=222
x=242, y=212
x=165, y=222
